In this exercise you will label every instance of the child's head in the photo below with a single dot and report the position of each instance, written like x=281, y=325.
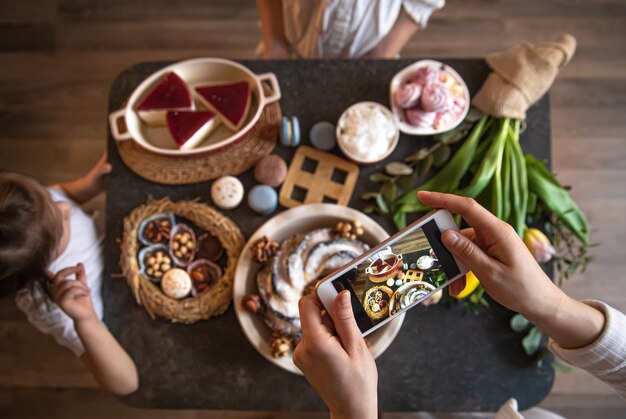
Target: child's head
x=33, y=231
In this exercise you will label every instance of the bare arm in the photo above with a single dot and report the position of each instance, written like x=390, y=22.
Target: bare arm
x=401, y=32
x=272, y=29
x=85, y=188
x=107, y=361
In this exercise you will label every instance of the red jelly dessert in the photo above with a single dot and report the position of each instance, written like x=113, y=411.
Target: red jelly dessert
x=230, y=100
x=189, y=128
x=171, y=93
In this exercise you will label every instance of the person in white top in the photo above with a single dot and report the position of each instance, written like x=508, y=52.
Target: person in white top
x=341, y=28
x=51, y=259
x=590, y=335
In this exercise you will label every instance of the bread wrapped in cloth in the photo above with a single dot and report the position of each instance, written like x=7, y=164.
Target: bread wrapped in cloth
x=522, y=75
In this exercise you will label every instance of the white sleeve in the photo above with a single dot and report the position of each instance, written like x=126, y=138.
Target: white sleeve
x=420, y=10
x=604, y=358
x=48, y=317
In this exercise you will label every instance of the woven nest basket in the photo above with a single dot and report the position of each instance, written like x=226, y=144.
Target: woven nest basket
x=210, y=303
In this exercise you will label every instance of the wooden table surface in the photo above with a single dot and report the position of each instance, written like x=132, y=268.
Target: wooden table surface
x=443, y=359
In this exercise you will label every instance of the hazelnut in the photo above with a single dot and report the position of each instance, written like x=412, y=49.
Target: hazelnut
x=175, y=245
x=150, y=271
x=178, y=254
x=151, y=260
x=357, y=223
x=158, y=274
x=252, y=303
x=166, y=267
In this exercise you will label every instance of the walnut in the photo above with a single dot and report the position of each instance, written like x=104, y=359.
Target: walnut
x=280, y=345
x=264, y=249
x=349, y=229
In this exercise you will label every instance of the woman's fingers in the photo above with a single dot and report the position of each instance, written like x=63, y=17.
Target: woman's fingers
x=475, y=215
x=457, y=286
x=467, y=252
x=310, y=309
x=345, y=324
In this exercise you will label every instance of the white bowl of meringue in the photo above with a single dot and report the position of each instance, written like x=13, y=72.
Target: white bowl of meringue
x=367, y=132
x=428, y=97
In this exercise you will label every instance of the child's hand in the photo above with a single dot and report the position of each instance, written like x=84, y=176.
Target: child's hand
x=497, y=256
x=73, y=295
x=336, y=360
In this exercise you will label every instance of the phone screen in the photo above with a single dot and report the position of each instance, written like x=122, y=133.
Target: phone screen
x=409, y=269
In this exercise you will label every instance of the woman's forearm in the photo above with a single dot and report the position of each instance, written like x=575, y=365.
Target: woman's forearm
x=107, y=361
x=393, y=43
x=272, y=27
x=570, y=323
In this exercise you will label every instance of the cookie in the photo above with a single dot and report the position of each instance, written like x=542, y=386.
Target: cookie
x=323, y=136
x=227, y=192
x=263, y=199
x=271, y=170
x=290, y=131
x=176, y=284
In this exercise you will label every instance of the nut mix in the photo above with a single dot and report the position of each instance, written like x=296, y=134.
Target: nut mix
x=158, y=231
x=349, y=229
x=264, y=249
x=182, y=245
x=204, y=274
x=157, y=264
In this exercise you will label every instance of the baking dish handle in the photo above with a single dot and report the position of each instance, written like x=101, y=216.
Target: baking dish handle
x=114, y=118
x=271, y=79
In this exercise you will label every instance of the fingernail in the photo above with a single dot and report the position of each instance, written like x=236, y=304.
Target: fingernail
x=450, y=237
x=344, y=299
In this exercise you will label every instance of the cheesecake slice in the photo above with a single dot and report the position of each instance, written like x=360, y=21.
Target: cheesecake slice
x=170, y=94
x=190, y=128
x=230, y=100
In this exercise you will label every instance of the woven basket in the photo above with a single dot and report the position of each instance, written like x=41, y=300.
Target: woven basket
x=215, y=300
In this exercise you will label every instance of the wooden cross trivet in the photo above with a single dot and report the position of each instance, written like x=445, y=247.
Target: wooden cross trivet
x=317, y=177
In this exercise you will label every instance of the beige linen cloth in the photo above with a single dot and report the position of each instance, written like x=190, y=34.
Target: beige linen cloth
x=522, y=75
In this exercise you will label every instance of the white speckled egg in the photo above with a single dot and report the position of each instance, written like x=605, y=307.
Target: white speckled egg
x=176, y=283
x=227, y=192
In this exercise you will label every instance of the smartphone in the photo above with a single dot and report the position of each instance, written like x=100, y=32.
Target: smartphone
x=396, y=275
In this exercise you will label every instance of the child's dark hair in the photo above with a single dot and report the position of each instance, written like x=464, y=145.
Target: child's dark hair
x=30, y=230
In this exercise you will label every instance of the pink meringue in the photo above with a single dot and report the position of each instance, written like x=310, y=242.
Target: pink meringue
x=408, y=95
x=420, y=118
x=425, y=75
x=436, y=98
x=444, y=119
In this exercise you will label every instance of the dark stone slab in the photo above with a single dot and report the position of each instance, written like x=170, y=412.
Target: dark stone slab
x=444, y=359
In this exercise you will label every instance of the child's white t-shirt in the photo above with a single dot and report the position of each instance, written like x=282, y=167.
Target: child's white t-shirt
x=84, y=246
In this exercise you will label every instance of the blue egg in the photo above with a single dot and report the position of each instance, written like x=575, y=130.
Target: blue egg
x=323, y=136
x=263, y=199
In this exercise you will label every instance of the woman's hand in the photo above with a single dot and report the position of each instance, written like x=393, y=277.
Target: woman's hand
x=493, y=251
x=72, y=296
x=336, y=360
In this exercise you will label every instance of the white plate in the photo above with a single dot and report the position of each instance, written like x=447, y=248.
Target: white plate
x=401, y=78
x=301, y=219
